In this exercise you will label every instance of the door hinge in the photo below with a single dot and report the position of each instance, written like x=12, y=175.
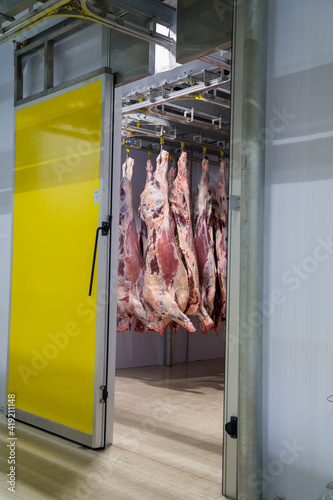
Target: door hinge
x=234, y=202
x=231, y=427
x=105, y=228
x=105, y=394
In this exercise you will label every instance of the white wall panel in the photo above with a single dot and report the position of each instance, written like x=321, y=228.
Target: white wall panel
x=6, y=191
x=298, y=280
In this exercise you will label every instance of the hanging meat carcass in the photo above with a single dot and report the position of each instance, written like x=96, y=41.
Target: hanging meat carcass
x=203, y=241
x=171, y=175
x=130, y=262
x=220, y=230
x=165, y=289
x=179, y=198
x=143, y=238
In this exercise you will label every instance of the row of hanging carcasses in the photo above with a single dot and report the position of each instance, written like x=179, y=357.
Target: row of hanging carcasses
x=174, y=267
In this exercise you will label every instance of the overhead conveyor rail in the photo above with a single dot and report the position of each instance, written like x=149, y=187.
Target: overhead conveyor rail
x=194, y=109
x=134, y=18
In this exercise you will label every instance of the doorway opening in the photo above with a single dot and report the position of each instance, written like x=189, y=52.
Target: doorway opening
x=169, y=388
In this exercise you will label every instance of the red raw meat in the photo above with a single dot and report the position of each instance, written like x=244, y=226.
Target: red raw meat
x=171, y=175
x=179, y=198
x=143, y=237
x=165, y=289
x=220, y=230
x=130, y=262
x=203, y=241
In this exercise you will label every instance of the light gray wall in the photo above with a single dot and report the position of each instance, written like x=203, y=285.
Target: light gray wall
x=6, y=192
x=136, y=349
x=298, y=333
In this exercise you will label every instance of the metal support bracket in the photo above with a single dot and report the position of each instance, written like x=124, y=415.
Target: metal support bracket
x=191, y=112
x=234, y=202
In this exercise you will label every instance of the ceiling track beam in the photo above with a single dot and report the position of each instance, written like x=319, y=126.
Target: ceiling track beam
x=172, y=142
x=164, y=14
x=29, y=20
x=124, y=26
x=82, y=10
x=173, y=95
x=187, y=121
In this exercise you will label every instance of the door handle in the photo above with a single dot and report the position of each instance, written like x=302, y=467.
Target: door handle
x=105, y=228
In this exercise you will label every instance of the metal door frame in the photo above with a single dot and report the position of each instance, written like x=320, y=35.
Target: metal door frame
x=114, y=137
x=231, y=392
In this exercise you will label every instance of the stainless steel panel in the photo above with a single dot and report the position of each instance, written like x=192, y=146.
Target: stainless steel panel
x=148, y=8
x=77, y=54
x=13, y=7
x=130, y=58
x=202, y=27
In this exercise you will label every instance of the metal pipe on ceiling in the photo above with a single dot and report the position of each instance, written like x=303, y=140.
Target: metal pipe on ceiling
x=83, y=10
x=124, y=26
x=29, y=20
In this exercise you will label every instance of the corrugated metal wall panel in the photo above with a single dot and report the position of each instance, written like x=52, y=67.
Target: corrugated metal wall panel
x=298, y=370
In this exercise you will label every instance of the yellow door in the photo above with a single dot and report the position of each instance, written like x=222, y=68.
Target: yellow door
x=56, y=214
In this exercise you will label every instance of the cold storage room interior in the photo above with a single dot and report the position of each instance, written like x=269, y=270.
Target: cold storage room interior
x=176, y=100
x=170, y=381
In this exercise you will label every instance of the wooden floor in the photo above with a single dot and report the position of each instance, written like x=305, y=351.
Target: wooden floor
x=167, y=443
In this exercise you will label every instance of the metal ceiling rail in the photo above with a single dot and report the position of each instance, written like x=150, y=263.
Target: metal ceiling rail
x=191, y=145
x=192, y=111
x=124, y=26
x=29, y=20
x=191, y=122
x=81, y=9
x=163, y=13
x=168, y=96
x=210, y=59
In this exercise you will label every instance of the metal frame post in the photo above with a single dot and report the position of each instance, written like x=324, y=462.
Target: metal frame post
x=48, y=64
x=252, y=228
x=18, y=78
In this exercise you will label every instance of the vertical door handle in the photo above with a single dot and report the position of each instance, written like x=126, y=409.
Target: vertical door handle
x=105, y=228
